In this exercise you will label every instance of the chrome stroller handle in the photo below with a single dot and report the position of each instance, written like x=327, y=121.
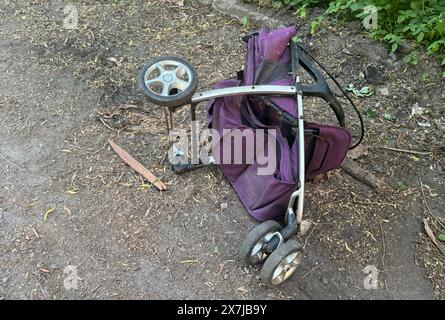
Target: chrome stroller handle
x=243, y=90
x=301, y=160
x=293, y=219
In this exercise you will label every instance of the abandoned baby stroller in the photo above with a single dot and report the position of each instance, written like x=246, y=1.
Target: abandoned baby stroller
x=267, y=97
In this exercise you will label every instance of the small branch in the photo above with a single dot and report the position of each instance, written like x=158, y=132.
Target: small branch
x=137, y=166
x=430, y=234
x=355, y=170
x=427, y=206
x=376, y=203
x=106, y=125
x=36, y=233
x=12, y=164
x=314, y=268
x=383, y=247
x=383, y=258
x=421, y=153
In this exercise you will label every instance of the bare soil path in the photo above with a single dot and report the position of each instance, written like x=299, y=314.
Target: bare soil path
x=129, y=241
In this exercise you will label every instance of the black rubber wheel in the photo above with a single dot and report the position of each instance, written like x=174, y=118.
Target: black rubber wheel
x=254, y=240
x=168, y=81
x=282, y=263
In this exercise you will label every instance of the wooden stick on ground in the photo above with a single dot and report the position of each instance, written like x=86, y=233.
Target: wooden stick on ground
x=12, y=164
x=427, y=206
x=433, y=239
x=421, y=153
x=137, y=166
x=355, y=170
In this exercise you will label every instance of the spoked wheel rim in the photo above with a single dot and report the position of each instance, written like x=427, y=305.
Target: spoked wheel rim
x=286, y=268
x=258, y=254
x=252, y=249
x=168, y=77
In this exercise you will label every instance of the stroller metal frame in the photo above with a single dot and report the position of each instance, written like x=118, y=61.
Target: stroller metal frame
x=269, y=239
x=293, y=219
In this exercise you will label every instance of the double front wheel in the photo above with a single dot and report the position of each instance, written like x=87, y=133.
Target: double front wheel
x=279, y=264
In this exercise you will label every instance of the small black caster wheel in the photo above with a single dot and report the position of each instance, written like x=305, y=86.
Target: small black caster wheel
x=168, y=81
x=252, y=249
x=282, y=263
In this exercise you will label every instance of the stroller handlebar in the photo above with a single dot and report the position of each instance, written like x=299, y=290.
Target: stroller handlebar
x=243, y=90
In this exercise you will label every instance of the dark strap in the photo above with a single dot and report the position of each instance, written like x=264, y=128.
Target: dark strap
x=295, y=58
x=321, y=89
x=240, y=75
x=362, y=126
x=247, y=37
x=309, y=153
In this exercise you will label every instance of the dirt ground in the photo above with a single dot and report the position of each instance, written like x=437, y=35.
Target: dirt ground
x=130, y=241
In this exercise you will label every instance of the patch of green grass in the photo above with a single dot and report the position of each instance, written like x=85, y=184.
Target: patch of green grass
x=245, y=21
x=389, y=117
x=402, y=186
x=370, y=113
x=315, y=25
x=411, y=58
x=419, y=21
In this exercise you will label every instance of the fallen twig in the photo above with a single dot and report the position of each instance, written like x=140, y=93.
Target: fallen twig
x=314, y=268
x=433, y=239
x=137, y=166
x=427, y=206
x=376, y=203
x=224, y=264
x=106, y=125
x=353, y=169
x=12, y=164
x=36, y=233
x=422, y=153
x=383, y=247
x=383, y=259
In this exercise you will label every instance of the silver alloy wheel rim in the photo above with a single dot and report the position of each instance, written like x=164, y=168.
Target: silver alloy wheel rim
x=257, y=254
x=286, y=267
x=165, y=75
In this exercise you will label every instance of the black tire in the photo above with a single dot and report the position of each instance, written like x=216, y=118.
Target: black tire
x=254, y=236
x=275, y=259
x=174, y=100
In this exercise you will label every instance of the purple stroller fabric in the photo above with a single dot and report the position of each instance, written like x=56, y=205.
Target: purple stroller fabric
x=266, y=197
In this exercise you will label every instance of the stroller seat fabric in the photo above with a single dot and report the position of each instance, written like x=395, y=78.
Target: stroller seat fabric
x=266, y=196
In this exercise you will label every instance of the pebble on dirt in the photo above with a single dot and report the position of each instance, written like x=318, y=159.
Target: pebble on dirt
x=373, y=75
